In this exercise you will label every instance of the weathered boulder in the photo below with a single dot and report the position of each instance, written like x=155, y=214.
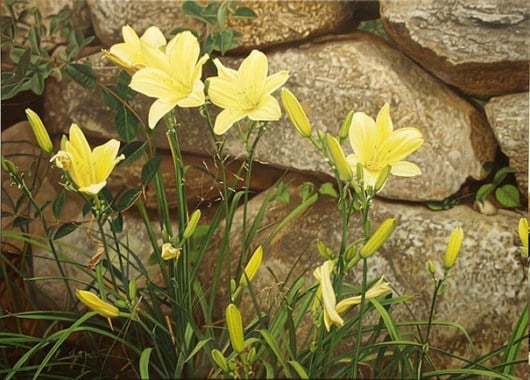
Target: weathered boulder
x=486, y=291
x=278, y=22
x=330, y=76
x=508, y=116
x=477, y=46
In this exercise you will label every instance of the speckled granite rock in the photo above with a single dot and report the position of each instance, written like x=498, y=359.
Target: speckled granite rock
x=278, y=21
x=508, y=116
x=479, y=46
x=331, y=77
x=487, y=288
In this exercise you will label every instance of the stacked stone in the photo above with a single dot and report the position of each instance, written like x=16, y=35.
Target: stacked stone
x=440, y=58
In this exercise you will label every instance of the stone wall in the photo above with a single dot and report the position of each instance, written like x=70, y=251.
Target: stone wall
x=456, y=70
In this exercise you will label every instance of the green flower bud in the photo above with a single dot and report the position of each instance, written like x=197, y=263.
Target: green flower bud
x=345, y=129
x=41, y=134
x=378, y=238
x=252, y=267
x=132, y=289
x=235, y=328
x=324, y=251
x=192, y=224
x=381, y=178
x=431, y=267
x=220, y=360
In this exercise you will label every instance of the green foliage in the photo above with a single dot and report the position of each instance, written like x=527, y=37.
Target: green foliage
x=32, y=58
x=506, y=194
x=215, y=14
x=374, y=27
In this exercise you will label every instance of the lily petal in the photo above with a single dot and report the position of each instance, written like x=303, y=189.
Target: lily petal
x=405, y=169
x=268, y=110
x=159, y=109
x=226, y=119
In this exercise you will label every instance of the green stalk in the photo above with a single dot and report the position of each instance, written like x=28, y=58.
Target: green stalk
x=361, y=312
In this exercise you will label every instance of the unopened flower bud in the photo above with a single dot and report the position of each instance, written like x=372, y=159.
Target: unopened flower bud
x=345, y=129
x=339, y=159
x=523, y=235
x=41, y=134
x=235, y=328
x=169, y=251
x=132, y=289
x=381, y=178
x=378, y=238
x=453, y=248
x=252, y=267
x=324, y=251
x=192, y=224
x=9, y=166
x=95, y=303
x=296, y=113
x=220, y=360
x=431, y=267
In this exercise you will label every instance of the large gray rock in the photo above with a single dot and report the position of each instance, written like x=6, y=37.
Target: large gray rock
x=508, y=116
x=330, y=76
x=277, y=22
x=479, y=46
x=486, y=291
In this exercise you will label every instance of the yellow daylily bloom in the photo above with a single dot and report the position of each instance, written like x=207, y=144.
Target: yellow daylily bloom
x=453, y=248
x=41, y=134
x=138, y=52
x=175, y=80
x=377, y=290
x=89, y=169
x=323, y=275
x=246, y=92
x=169, y=251
x=95, y=303
x=376, y=145
x=523, y=235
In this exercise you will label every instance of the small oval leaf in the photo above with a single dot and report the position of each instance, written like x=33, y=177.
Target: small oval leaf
x=127, y=199
x=508, y=196
x=150, y=168
x=64, y=230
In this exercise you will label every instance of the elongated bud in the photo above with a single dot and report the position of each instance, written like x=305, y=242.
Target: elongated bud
x=220, y=360
x=41, y=134
x=9, y=166
x=235, y=328
x=95, y=303
x=346, y=124
x=431, y=267
x=324, y=251
x=381, y=178
x=296, y=113
x=252, y=267
x=523, y=235
x=132, y=289
x=359, y=173
x=350, y=251
x=453, y=248
x=378, y=238
x=169, y=251
x=192, y=224
x=339, y=159
x=251, y=355
x=353, y=262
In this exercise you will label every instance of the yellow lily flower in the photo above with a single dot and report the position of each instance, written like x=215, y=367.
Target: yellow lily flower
x=137, y=52
x=377, y=290
x=169, y=252
x=101, y=307
x=376, y=145
x=246, y=92
x=174, y=80
x=323, y=275
x=89, y=169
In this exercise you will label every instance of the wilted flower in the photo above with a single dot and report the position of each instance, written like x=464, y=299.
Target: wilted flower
x=89, y=169
x=41, y=134
x=453, y=248
x=169, y=251
x=323, y=275
x=97, y=304
x=137, y=52
x=377, y=290
x=296, y=113
x=246, y=92
x=174, y=79
x=376, y=145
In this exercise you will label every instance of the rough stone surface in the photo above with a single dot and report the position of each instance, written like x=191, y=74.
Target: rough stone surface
x=487, y=287
x=479, y=46
x=330, y=76
x=277, y=22
x=508, y=116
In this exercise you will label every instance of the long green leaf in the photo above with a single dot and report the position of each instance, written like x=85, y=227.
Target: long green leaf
x=276, y=350
x=514, y=344
x=299, y=369
x=144, y=363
